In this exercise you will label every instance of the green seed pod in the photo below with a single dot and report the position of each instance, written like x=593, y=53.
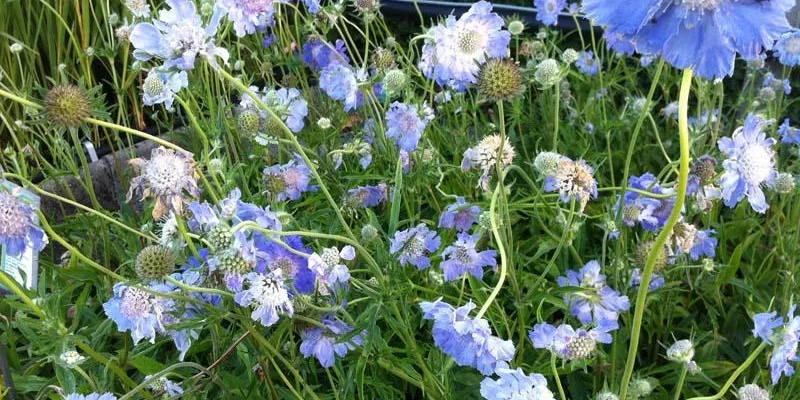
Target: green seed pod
x=154, y=262
x=67, y=105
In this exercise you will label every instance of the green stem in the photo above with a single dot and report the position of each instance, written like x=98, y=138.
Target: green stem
x=652, y=257
x=20, y=100
x=556, y=112
x=161, y=373
x=10, y=284
x=500, y=249
x=679, y=386
x=104, y=362
x=190, y=288
x=735, y=375
x=556, y=377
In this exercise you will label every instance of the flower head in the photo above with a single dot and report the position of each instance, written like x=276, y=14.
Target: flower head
x=367, y=196
x=332, y=274
x=325, y=344
x=318, y=54
x=91, y=396
x=484, y=157
x=568, y=342
x=177, y=37
x=405, y=125
x=160, y=87
x=784, y=337
x=462, y=258
x=249, y=16
x=787, y=48
x=752, y=392
x=67, y=105
x=701, y=34
x=547, y=10
x=288, y=181
x=681, y=351
x=750, y=164
x=515, y=384
x=139, y=8
x=500, y=79
x=414, y=246
x=656, y=281
x=468, y=341
x=18, y=228
x=573, y=180
x=165, y=176
x=459, y=215
x=268, y=295
x=339, y=81
x=789, y=134
x=588, y=63
x=597, y=302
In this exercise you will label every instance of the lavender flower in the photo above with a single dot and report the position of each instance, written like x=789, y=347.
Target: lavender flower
x=462, y=258
x=547, y=10
x=339, y=81
x=649, y=212
x=588, y=64
x=318, y=54
x=455, y=50
x=18, y=228
x=91, y=396
x=484, y=157
x=699, y=34
x=288, y=181
x=178, y=37
x=139, y=8
x=160, y=87
x=414, y=246
x=568, y=342
x=165, y=176
x=332, y=274
x=789, y=134
x=597, y=302
x=405, y=126
x=515, y=384
x=468, y=341
x=367, y=196
x=325, y=344
x=704, y=245
x=291, y=265
x=459, y=215
x=249, y=16
x=784, y=340
x=765, y=325
x=268, y=295
x=787, y=48
x=163, y=385
x=750, y=164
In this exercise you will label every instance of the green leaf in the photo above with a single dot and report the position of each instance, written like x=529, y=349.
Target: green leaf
x=146, y=365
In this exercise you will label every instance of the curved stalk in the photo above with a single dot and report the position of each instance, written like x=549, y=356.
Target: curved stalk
x=735, y=375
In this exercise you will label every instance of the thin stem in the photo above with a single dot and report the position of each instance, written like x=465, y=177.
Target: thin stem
x=20, y=100
x=10, y=284
x=500, y=249
x=735, y=375
x=679, y=387
x=190, y=288
x=556, y=112
x=652, y=257
x=556, y=377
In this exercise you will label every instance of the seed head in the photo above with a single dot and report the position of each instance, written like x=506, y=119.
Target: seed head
x=516, y=27
x=394, y=80
x=249, y=121
x=640, y=258
x=383, y=59
x=369, y=233
x=546, y=163
x=220, y=237
x=580, y=347
x=67, y=105
x=500, y=79
x=569, y=56
x=548, y=73
x=232, y=262
x=705, y=168
x=766, y=93
x=606, y=396
x=641, y=388
x=154, y=262
x=784, y=183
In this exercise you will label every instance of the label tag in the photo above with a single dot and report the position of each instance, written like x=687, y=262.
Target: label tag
x=24, y=268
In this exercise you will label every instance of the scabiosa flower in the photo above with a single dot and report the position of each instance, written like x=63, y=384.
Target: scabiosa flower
x=288, y=105
x=18, y=226
x=405, y=126
x=165, y=176
x=656, y=280
x=515, y=384
x=787, y=48
x=784, y=340
x=249, y=16
x=332, y=274
x=462, y=258
x=178, y=37
x=647, y=211
x=750, y=164
x=568, y=342
x=91, y=396
x=468, y=341
x=597, y=302
x=340, y=83
x=547, y=10
x=325, y=344
x=573, y=180
x=160, y=87
x=704, y=244
x=292, y=265
x=288, y=181
x=700, y=34
x=414, y=246
x=752, y=392
x=619, y=43
x=789, y=134
x=459, y=215
x=681, y=351
x=588, y=64
x=318, y=54
x=163, y=385
x=268, y=294
x=367, y=196
x=139, y=8
x=484, y=156
x=455, y=50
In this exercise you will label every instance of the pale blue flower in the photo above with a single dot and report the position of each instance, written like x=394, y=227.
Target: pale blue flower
x=318, y=54
x=656, y=281
x=463, y=258
x=568, y=342
x=765, y=325
x=750, y=164
x=405, y=125
x=326, y=344
x=249, y=16
x=331, y=272
x=704, y=245
x=160, y=87
x=596, y=302
x=288, y=181
x=547, y=10
x=340, y=83
x=588, y=63
x=18, y=227
x=459, y=215
x=789, y=134
x=415, y=245
x=91, y=396
x=514, y=384
x=785, y=341
x=368, y=196
x=268, y=295
x=787, y=48
x=289, y=105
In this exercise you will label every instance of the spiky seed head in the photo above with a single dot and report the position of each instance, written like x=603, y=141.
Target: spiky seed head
x=705, y=168
x=369, y=233
x=500, y=79
x=640, y=257
x=249, y=121
x=548, y=73
x=641, y=388
x=67, y=105
x=394, y=80
x=220, y=237
x=752, y=392
x=785, y=183
x=547, y=163
x=569, y=56
x=383, y=59
x=232, y=262
x=154, y=262
x=516, y=27
x=681, y=351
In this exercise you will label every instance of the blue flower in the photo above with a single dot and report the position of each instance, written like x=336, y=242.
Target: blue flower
x=405, y=126
x=765, y=324
x=318, y=54
x=750, y=164
x=588, y=64
x=699, y=34
x=160, y=87
x=249, y=16
x=331, y=273
x=789, y=134
x=414, y=246
x=514, y=384
x=268, y=295
x=459, y=215
x=454, y=51
x=292, y=265
x=547, y=10
x=597, y=302
x=785, y=340
x=468, y=341
x=568, y=342
x=288, y=181
x=704, y=245
x=288, y=105
x=656, y=280
x=649, y=212
x=340, y=83
x=18, y=229
x=619, y=43
x=325, y=344
x=462, y=258
x=367, y=196
x=312, y=6
x=178, y=37
x=787, y=48
x=779, y=85
x=91, y=396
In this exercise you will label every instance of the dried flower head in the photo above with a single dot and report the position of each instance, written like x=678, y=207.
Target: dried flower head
x=485, y=157
x=165, y=176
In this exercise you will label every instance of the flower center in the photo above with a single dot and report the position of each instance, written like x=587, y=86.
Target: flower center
x=153, y=85
x=793, y=45
x=270, y=293
x=470, y=41
x=414, y=247
x=756, y=164
x=330, y=256
x=285, y=264
x=186, y=38
x=164, y=174
x=12, y=216
x=580, y=347
x=463, y=255
x=135, y=303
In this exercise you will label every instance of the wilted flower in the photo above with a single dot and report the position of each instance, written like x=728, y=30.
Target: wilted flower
x=573, y=180
x=165, y=176
x=515, y=384
x=484, y=156
x=750, y=164
x=414, y=246
x=462, y=258
x=18, y=226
